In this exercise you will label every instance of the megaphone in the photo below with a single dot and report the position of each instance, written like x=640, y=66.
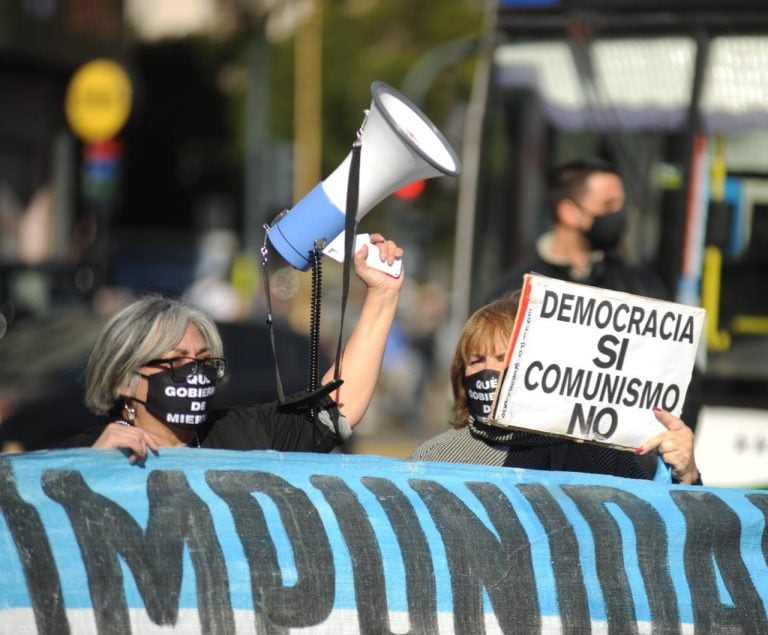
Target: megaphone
x=399, y=145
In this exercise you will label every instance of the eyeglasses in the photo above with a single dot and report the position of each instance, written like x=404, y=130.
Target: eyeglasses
x=216, y=366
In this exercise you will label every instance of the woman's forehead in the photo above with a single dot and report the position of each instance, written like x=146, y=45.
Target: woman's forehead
x=489, y=343
x=169, y=335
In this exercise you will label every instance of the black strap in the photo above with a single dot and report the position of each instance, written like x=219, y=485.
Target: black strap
x=269, y=320
x=307, y=400
x=353, y=190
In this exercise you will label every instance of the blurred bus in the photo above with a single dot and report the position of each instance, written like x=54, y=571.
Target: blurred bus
x=676, y=95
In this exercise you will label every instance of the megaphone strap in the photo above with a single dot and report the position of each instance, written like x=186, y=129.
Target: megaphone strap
x=308, y=400
x=269, y=320
x=353, y=186
x=353, y=190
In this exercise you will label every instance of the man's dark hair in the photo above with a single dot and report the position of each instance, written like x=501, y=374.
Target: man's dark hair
x=569, y=180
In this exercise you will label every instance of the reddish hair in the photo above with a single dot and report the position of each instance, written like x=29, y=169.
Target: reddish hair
x=485, y=326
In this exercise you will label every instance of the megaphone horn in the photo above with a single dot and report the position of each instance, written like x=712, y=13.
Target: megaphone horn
x=399, y=145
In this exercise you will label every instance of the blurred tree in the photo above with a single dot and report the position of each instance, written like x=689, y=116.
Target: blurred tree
x=368, y=40
x=187, y=136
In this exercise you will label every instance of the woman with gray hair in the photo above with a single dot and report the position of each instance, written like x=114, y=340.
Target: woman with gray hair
x=155, y=366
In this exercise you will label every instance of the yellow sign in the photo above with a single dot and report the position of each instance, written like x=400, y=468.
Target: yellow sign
x=98, y=100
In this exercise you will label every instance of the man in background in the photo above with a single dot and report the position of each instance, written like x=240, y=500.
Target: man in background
x=586, y=199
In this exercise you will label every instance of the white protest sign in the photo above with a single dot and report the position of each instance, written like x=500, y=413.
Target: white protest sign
x=591, y=363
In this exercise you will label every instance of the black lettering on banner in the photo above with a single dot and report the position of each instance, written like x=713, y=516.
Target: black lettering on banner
x=35, y=554
x=276, y=606
x=477, y=559
x=566, y=564
x=653, y=559
x=417, y=558
x=367, y=565
x=761, y=502
x=104, y=531
x=713, y=539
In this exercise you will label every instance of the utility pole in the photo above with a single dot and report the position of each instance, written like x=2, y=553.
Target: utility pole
x=256, y=197
x=308, y=97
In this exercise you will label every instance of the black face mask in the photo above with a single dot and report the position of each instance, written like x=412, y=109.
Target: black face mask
x=480, y=387
x=607, y=231
x=184, y=404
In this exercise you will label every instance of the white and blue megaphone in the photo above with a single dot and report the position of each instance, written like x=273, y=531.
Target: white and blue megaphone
x=398, y=145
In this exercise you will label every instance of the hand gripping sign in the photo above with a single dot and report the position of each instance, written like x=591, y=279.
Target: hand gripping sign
x=591, y=364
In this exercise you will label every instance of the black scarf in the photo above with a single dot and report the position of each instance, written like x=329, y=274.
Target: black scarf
x=546, y=452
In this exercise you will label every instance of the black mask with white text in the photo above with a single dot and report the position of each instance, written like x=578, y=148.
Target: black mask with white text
x=184, y=404
x=481, y=387
x=607, y=230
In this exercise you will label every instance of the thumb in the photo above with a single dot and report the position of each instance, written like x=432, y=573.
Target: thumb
x=669, y=421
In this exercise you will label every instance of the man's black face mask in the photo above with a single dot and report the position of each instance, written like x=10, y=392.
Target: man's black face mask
x=607, y=230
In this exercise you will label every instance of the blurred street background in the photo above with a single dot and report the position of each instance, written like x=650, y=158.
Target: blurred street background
x=213, y=116
x=145, y=143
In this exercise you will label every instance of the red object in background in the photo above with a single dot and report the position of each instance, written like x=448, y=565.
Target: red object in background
x=106, y=150
x=101, y=169
x=410, y=191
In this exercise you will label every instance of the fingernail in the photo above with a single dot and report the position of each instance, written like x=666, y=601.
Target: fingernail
x=656, y=409
x=639, y=451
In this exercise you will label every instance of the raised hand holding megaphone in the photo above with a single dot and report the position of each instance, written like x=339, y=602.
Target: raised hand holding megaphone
x=399, y=145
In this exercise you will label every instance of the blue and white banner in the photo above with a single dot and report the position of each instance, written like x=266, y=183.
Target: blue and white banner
x=263, y=542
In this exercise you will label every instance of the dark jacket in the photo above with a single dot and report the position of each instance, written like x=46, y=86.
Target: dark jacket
x=609, y=273
x=257, y=427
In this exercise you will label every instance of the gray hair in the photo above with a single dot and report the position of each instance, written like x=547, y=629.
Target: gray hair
x=144, y=330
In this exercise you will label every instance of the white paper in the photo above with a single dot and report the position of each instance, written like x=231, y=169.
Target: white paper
x=335, y=250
